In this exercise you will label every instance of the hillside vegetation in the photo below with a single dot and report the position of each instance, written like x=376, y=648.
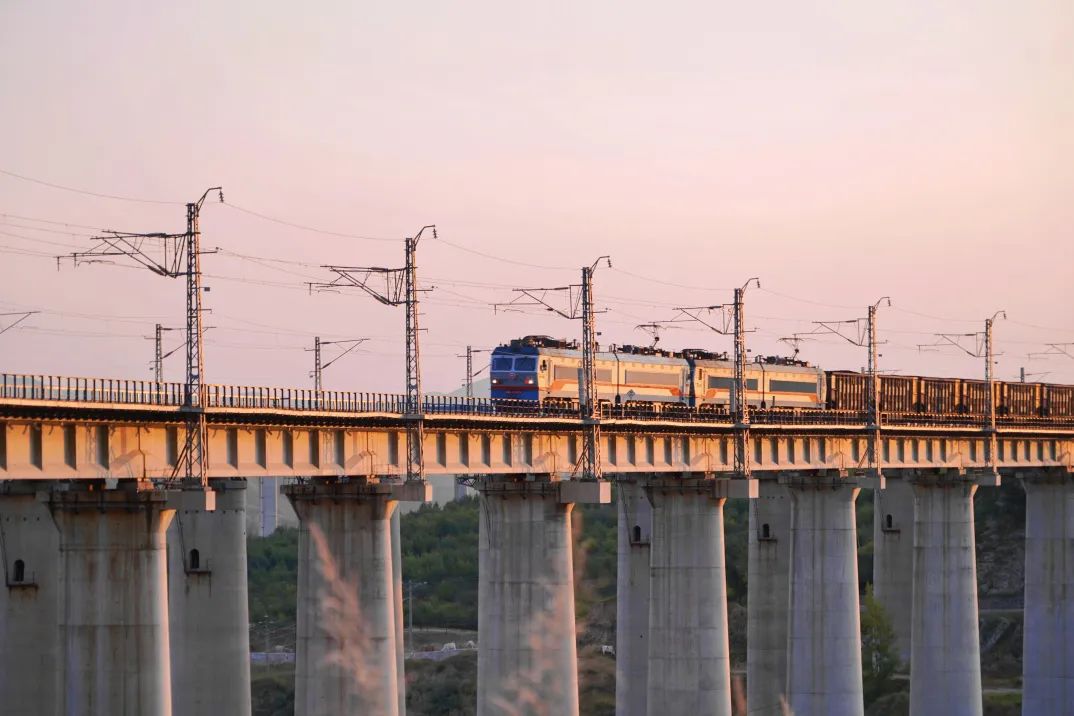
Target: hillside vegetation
x=440, y=556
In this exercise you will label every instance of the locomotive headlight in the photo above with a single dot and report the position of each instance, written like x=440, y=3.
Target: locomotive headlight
x=530, y=381
x=495, y=381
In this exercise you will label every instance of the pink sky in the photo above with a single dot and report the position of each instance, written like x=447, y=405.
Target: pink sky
x=840, y=152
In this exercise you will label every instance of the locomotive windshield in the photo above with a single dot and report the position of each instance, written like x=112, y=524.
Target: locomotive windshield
x=521, y=364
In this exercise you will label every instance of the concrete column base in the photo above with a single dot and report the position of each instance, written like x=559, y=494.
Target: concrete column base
x=346, y=660
x=945, y=653
x=114, y=622
x=29, y=603
x=893, y=557
x=527, y=661
x=397, y=587
x=632, y=600
x=824, y=646
x=208, y=602
x=767, y=599
x=689, y=655
x=1048, y=646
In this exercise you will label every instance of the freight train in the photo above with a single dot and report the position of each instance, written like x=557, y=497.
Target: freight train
x=546, y=370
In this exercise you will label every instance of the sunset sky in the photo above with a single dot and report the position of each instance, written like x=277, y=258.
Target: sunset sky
x=840, y=151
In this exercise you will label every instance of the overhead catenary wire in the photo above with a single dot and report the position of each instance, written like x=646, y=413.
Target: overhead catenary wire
x=55, y=222
x=85, y=192
x=502, y=259
x=465, y=300
x=305, y=227
x=45, y=229
x=37, y=240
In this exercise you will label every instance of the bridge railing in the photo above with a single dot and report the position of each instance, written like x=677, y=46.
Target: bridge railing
x=90, y=390
x=151, y=393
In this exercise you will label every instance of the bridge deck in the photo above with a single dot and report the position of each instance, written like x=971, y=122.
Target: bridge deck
x=73, y=428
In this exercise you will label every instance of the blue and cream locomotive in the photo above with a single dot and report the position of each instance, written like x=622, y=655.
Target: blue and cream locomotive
x=545, y=369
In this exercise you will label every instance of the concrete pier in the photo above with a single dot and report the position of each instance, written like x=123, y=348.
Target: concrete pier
x=29, y=603
x=893, y=557
x=207, y=602
x=945, y=659
x=632, y=600
x=397, y=598
x=824, y=645
x=527, y=659
x=346, y=660
x=767, y=599
x=1048, y=646
x=114, y=622
x=689, y=654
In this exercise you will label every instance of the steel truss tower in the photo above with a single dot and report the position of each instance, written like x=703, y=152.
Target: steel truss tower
x=179, y=255
x=399, y=288
x=591, y=463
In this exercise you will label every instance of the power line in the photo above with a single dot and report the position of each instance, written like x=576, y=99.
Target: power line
x=304, y=227
x=84, y=191
x=501, y=259
x=22, y=316
x=673, y=284
x=52, y=221
x=806, y=300
x=45, y=229
x=18, y=251
x=36, y=240
x=930, y=316
x=251, y=212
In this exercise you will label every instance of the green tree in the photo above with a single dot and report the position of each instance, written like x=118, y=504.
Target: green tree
x=879, y=657
x=272, y=579
x=440, y=553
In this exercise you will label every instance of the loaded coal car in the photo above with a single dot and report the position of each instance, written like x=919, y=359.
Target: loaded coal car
x=1021, y=399
x=975, y=397
x=939, y=396
x=1058, y=401
x=849, y=391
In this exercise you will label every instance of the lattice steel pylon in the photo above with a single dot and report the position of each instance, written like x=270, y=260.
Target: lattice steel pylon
x=866, y=337
x=983, y=348
x=415, y=453
x=158, y=352
x=591, y=462
x=196, y=431
x=580, y=305
x=319, y=367
x=733, y=323
x=990, y=378
x=742, y=406
x=180, y=255
x=470, y=372
x=400, y=288
x=158, y=356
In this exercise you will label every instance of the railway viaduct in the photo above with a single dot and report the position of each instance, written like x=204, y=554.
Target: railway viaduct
x=126, y=595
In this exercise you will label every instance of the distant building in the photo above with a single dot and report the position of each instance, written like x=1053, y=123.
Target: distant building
x=266, y=508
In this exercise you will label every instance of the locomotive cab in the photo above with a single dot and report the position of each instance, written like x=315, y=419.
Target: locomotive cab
x=514, y=375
